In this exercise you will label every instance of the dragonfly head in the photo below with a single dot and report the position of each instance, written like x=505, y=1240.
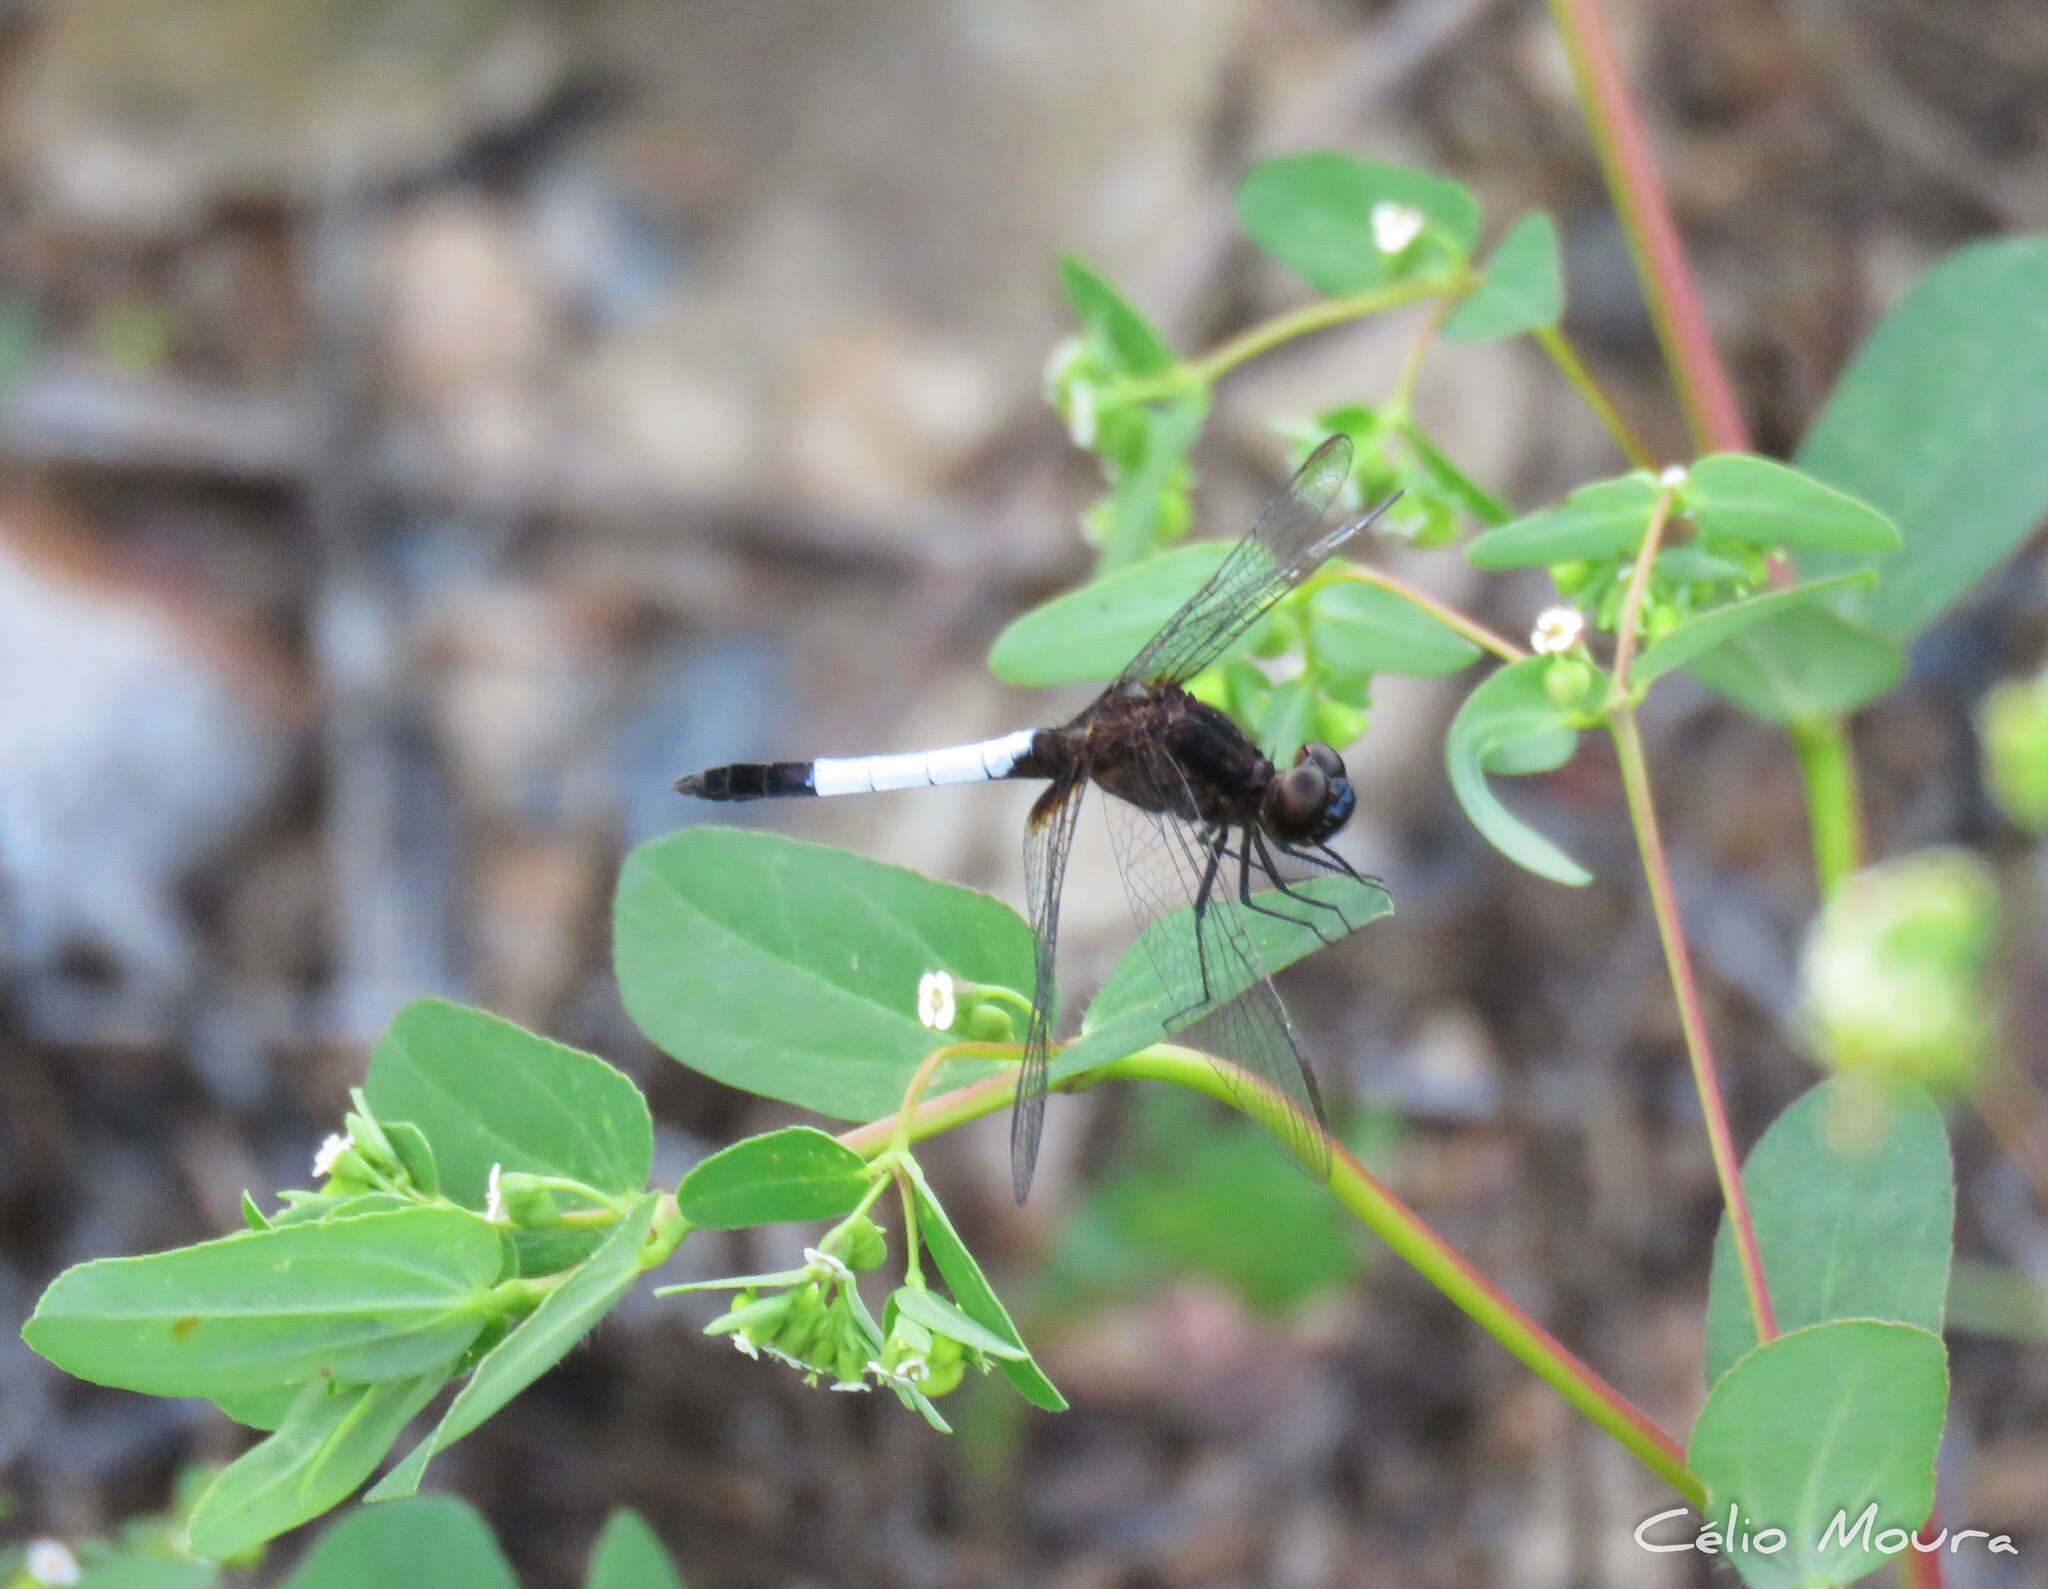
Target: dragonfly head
x=1310, y=800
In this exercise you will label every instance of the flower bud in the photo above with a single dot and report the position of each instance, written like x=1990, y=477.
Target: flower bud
x=1896, y=978
x=2012, y=727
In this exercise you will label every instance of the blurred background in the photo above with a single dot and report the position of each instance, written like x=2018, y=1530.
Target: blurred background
x=429, y=426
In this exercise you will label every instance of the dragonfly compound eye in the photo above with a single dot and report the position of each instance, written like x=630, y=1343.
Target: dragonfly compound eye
x=1296, y=800
x=1324, y=757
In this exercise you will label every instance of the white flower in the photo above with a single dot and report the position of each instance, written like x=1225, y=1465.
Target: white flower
x=826, y=1262
x=851, y=1384
x=1674, y=477
x=1080, y=428
x=49, y=1561
x=905, y=1374
x=1395, y=226
x=935, y=1005
x=323, y=1161
x=739, y=1339
x=494, y=1204
x=1557, y=629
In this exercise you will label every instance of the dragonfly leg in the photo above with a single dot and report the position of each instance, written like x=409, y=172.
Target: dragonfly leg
x=1244, y=893
x=1216, y=853
x=1329, y=860
x=1267, y=865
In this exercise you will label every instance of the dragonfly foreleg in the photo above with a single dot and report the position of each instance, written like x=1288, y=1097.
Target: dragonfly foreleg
x=1244, y=891
x=1329, y=860
x=1216, y=853
x=1272, y=870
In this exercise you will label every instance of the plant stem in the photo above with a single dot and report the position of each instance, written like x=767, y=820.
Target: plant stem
x=1444, y=614
x=1553, y=342
x=1269, y=334
x=1638, y=587
x=1418, y=350
x=1632, y=183
x=1635, y=779
x=1395, y=1223
x=1834, y=814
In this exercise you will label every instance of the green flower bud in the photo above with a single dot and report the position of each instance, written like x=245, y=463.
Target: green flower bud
x=2012, y=726
x=1568, y=681
x=986, y=1022
x=867, y=1245
x=1896, y=973
x=1571, y=577
x=523, y=1204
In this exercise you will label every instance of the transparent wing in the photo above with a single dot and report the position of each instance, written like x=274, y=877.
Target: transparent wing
x=1295, y=534
x=1165, y=862
x=1048, y=839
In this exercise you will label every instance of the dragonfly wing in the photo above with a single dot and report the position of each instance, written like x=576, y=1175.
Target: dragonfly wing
x=1048, y=839
x=1298, y=531
x=1168, y=862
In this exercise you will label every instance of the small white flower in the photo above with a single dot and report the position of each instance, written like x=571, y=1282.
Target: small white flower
x=739, y=1339
x=49, y=1561
x=494, y=1204
x=826, y=1262
x=1080, y=428
x=330, y=1150
x=1557, y=629
x=935, y=1005
x=1395, y=226
x=1673, y=477
x=905, y=1374
x=851, y=1384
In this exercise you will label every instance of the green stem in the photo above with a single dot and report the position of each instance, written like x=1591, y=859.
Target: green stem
x=1833, y=811
x=1638, y=194
x=1444, y=614
x=1377, y=1208
x=1269, y=334
x=1552, y=340
x=1635, y=780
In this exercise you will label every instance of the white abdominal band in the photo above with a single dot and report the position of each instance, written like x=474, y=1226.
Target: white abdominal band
x=991, y=758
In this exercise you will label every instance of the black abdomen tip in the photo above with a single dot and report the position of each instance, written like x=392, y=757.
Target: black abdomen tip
x=749, y=780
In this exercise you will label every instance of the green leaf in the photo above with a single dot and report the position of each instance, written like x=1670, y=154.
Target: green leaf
x=1605, y=519
x=1135, y=1009
x=1313, y=213
x=149, y=1572
x=1134, y=346
x=387, y=1296
x=1816, y=1425
x=1138, y=501
x=435, y=1540
x=264, y=1408
x=1807, y=661
x=1508, y=724
x=795, y=1174
x=1523, y=289
x=565, y=1315
x=1695, y=637
x=1359, y=628
x=331, y=1440
x=1741, y=497
x=1090, y=633
x=415, y=1153
x=485, y=1092
x=629, y=1555
x=1452, y=481
x=977, y=1298
x=941, y=1317
x=1937, y=423
x=791, y=969
x=1853, y=1202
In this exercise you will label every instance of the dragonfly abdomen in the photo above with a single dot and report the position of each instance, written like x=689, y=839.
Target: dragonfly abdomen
x=836, y=775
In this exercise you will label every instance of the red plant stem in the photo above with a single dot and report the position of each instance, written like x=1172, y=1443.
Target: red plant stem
x=1704, y=390
x=1635, y=778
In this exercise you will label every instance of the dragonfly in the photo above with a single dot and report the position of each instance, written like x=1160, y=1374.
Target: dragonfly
x=1197, y=812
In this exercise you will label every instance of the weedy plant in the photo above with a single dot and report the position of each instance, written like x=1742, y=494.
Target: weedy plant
x=488, y=1202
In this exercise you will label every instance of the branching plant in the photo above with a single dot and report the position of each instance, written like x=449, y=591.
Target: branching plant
x=489, y=1202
